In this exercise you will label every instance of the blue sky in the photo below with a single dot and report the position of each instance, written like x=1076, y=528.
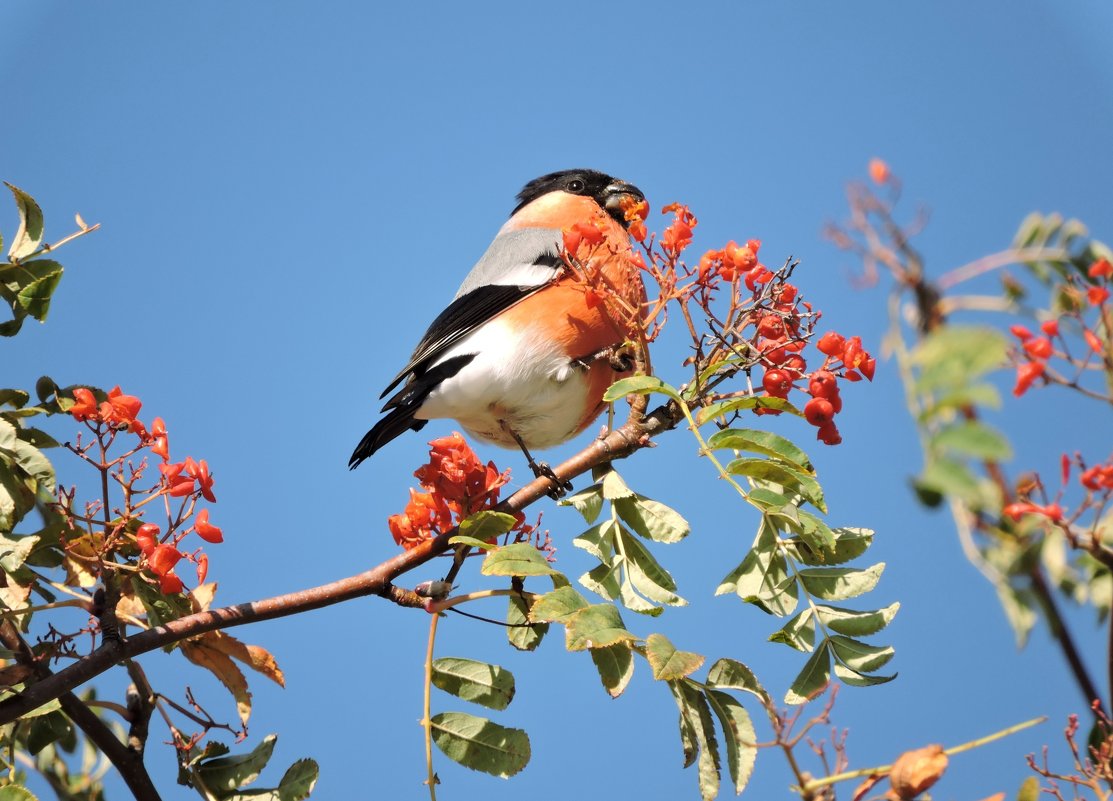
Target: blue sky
x=290, y=192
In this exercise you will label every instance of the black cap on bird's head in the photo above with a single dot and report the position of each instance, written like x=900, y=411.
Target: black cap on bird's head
x=610, y=193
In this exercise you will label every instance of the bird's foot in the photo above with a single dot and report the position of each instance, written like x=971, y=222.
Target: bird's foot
x=560, y=487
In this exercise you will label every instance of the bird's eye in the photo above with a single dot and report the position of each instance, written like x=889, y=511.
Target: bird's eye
x=575, y=185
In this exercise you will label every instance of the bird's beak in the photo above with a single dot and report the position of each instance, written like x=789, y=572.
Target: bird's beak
x=616, y=197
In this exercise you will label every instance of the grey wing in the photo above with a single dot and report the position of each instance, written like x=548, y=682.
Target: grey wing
x=523, y=257
x=517, y=264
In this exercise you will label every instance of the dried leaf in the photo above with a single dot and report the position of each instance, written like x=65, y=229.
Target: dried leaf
x=199, y=652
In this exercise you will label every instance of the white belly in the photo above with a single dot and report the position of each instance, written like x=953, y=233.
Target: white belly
x=515, y=378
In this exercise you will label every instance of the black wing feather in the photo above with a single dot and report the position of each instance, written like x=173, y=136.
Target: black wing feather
x=463, y=315
x=403, y=406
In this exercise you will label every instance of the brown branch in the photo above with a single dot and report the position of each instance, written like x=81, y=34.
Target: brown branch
x=128, y=763
x=620, y=443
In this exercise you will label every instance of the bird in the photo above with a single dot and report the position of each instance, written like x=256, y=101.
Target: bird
x=524, y=353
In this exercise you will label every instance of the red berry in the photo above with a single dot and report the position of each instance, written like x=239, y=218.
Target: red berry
x=777, y=383
x=819, y=411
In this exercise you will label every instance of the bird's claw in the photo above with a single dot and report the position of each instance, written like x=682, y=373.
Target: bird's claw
x=560, y=487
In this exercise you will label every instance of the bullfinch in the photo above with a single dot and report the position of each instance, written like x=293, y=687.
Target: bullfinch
x=525, y=351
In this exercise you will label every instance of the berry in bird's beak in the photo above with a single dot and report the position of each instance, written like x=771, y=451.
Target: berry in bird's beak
x=617, y=196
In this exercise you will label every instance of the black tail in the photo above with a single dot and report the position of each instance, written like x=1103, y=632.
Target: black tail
x=385, y=430
x=403, y=406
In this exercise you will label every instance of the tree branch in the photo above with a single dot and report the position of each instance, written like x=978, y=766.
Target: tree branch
x=619, y=443
x=128, y=763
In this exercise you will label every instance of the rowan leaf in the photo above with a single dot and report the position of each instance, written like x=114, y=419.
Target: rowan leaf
x=722, y=408
x=615, y=664
x=698, y=730
x=491, y=686
x=486, y=525
x=667, y=662
x=840, y=583
x=588, y=502
x=739, y=735
x=228, y=773
x=730, y=674
x=638, y=385
x=855, y=679
x=781, y=474
x=798, y=633
x=201, y=652
x=521, y=636
x=595, y=626
x=854, y=623
x=813, y=678
x=652, y=519
x=763, y=442
x=557, y=606
x=480, y=744
x=518, y=559
x=30, y=231
x=255, y=657
x=859, y=656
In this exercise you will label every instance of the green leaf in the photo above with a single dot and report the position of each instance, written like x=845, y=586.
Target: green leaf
x=46, y=729
x=519, y=559
x=1020, y=609
x=595, y=626
x=722, y=408
x=1029, y=790
x=767, y=470
x=604, y=580
x=840, y=583
x=35, y=297
x=764, y=579
x=598, y=540
x=37, y=438
x=16, y=792
x=764, y=442
x=818, y=537
x=813, y=679
x=557, y=606
x=698, y=729
x=491, y=686
x=978, y=394
x=651, y=519
x=614, y=487
x=858, y=656
x=471, y=542
x=30, y=231
x=297, y=783
x=227, y=773
x=14, y=551
x=638, y=385
x=850, y=543
x=739, y=734
x=854, y=623
x=974, y=439
x=646, y=574
x=480, y=744
x=522, y=637
x=615, y=664
x=948, y=477
x=487, y=525
x=856, y=679
x=798, y=633
x=588, y=502
x=667, y=662
x=36, y=465
x=766, y=500
x=730, y=674
x=953, y=355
